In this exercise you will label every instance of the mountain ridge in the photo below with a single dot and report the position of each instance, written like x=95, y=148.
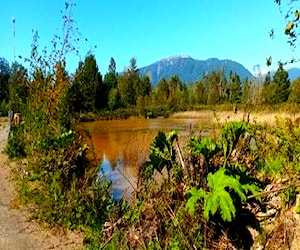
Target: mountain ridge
x=190, y=70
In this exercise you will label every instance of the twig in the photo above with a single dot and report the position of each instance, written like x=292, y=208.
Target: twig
x=180, y=154
x=106, y=242
x=127, y=179
x=272, y=191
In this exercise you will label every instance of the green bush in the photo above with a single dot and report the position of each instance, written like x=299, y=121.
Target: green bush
x=16, y=143
x=3, y=108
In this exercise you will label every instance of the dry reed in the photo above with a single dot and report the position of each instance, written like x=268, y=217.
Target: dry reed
x=221, y=117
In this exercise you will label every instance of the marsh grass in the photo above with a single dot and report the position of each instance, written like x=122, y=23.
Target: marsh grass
x=268, y=118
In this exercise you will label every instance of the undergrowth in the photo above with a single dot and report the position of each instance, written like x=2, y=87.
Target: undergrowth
x=60, y=183
x=208, y=196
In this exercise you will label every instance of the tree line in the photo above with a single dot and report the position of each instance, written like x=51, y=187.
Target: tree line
x=88, y=91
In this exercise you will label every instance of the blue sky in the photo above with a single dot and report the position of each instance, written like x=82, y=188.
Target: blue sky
x=152, y=30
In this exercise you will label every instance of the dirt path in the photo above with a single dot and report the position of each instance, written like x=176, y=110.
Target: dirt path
x=16, y=231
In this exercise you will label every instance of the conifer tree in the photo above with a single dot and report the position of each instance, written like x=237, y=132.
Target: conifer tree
x=282, y=85
x=235, y=90
x=110, y=85
x=86, y=91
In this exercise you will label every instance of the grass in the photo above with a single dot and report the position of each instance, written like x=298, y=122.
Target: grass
x=263, y=118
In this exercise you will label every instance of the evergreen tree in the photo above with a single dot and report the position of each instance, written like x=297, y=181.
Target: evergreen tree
x=268, y=90
x=128, y=85
x=87, y=91
x=112, y=66
x=145, y=87
x=177, y=98
x=110, y=81
x=235, y=90
x=216, y=90
x=162, y=92
x=200, y=93
x=282, y=85
x=268, y=79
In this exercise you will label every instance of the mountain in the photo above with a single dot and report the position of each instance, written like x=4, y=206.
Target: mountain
x=294, y=73
x=191, y=70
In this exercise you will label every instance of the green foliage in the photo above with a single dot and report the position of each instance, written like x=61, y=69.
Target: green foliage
x=288, y=196
x=113, y=99
x=162, y=154
x=3, y=108
x=246, y=92
x=60, y=182
x=216, y=83
x=5, y=73
x=218, y=198
x=196, y=195
x=273, y=166
x=207, y=147
x=85, y=93
x=16, y=144
x=282, y=85
x=18, y=88
x=128, y=85
x=235, y=89
x=171, y=94
x=294, y=96
x=230, y=136
x=131, y=216
x=217, y=192
x=59, y=141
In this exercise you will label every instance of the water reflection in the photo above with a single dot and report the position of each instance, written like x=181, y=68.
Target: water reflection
x=123, y=184
x=122, y=146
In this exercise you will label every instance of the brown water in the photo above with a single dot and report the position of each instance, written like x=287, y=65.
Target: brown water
x=123, y=145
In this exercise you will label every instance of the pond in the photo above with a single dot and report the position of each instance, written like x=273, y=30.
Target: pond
x=123, y=145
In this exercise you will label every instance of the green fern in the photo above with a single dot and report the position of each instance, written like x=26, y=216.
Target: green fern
x=219, y=196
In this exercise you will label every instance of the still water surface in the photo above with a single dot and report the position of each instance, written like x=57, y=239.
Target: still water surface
x=123, y=145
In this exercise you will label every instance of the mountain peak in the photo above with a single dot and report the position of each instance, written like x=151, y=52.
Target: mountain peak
x=176, y=57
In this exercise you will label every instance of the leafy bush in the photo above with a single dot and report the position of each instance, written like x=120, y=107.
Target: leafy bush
x=16, y=145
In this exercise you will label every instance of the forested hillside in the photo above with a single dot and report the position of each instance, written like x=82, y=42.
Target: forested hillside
x=190, y=70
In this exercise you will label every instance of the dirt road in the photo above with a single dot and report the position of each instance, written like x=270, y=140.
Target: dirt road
x=16, y=231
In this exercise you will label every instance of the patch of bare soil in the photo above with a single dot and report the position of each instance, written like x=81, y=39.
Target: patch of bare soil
x=17, y=232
